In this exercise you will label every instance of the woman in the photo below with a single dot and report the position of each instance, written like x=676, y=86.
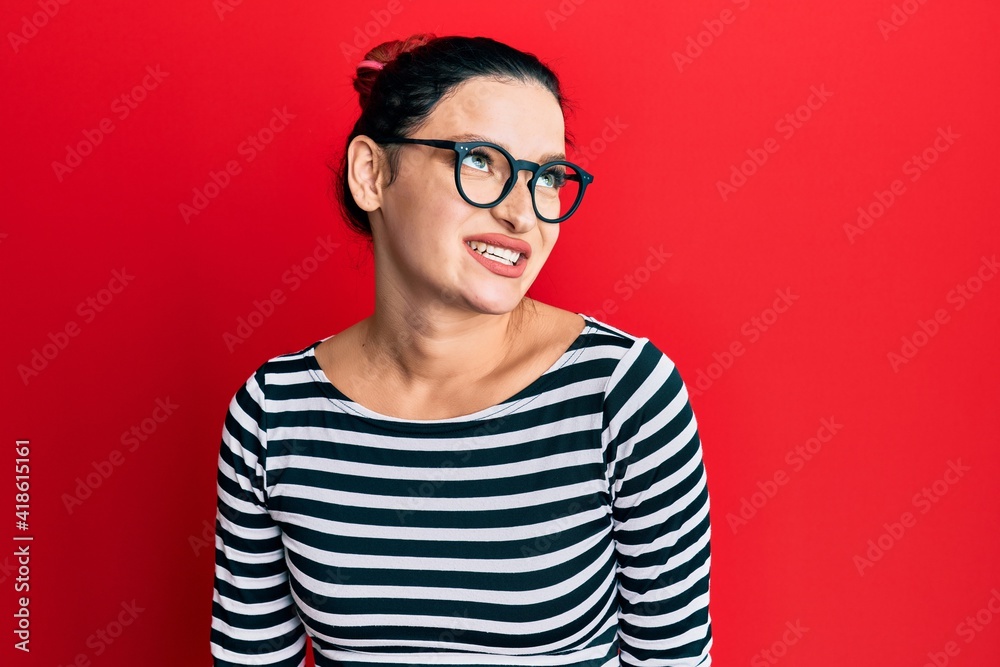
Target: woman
x=467, y=476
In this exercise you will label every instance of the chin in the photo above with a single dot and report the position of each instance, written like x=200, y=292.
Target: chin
x=499, y=305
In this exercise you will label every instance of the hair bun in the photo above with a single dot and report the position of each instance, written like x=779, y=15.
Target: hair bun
x=384, y=53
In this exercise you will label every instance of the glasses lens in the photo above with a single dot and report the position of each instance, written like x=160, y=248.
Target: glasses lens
x=483, y=174
x=557, y=189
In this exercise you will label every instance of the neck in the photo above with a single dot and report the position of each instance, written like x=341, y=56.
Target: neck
x=430, y=345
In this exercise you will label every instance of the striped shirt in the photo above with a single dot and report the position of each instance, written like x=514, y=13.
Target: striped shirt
x=565, y=526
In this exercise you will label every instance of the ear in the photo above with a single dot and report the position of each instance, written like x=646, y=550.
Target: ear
x=364, y=172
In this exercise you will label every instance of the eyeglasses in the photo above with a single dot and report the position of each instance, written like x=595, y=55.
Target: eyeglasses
x=486, y=173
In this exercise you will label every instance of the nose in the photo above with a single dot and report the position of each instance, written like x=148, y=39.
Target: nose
x=516, y=208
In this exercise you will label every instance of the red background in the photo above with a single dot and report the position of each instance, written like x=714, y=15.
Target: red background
x=671, y=133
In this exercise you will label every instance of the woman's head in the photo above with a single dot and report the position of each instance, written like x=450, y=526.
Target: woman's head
x=404, y=197
x=419, y=71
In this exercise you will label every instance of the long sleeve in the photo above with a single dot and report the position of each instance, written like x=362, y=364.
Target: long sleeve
x=660, y=508
x=254, y=621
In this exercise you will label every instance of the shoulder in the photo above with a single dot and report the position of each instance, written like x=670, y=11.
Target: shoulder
x=629, y=364
x=633, y=350
x=561, y=325
x=634, y=365
x=278, y=370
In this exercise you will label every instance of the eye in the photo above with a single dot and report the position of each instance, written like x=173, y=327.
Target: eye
x=478, y=160
x=552, y=178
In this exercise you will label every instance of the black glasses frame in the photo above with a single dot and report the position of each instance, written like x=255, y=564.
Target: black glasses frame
x=463, y=148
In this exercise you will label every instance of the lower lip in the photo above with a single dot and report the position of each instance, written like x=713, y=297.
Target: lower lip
x=496, y=267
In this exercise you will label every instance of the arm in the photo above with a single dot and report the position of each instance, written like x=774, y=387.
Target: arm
x=660, y=509
x=254, y=621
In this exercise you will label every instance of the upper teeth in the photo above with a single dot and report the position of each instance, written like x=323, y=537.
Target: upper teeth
x=480, y=247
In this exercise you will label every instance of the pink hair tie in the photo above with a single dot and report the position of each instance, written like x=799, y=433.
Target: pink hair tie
x=371, y=63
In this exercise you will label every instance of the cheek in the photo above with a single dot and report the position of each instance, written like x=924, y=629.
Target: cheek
x=550, y=234
x=413, y=198
x=423, y=213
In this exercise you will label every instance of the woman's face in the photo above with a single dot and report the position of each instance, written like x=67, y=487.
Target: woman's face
x=422, y=226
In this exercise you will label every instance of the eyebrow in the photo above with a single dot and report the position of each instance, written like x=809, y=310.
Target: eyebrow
x=468, y=136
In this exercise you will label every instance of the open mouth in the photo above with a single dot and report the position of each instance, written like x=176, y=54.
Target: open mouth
x=499, y=255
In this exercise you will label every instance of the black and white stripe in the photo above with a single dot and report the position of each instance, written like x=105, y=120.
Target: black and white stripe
x=555, y=528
